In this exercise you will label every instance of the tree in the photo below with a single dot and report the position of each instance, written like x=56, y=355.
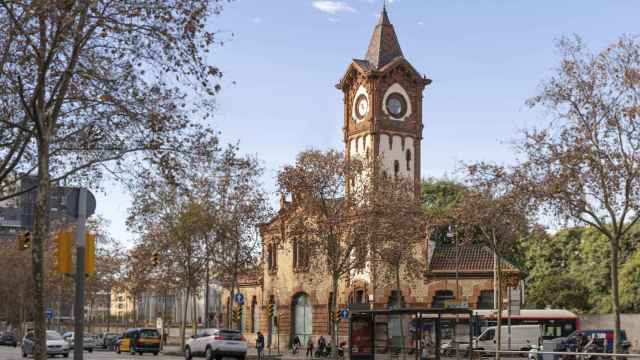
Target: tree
x=87, y=83
x=325, y=214
x=395, y=225
x=583, y=166
x=493, y=211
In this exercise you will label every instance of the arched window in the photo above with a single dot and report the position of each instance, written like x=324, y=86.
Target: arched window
x=408, y=156
x=300, y=255
x=396, y=168
x=441, y=297
x=270, y=257
x=295, y=253
x=302, y=317
x=254, y=314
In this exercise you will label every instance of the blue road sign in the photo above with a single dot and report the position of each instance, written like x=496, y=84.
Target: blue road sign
x=49, y=314
x=239, y=298
x=344, y=313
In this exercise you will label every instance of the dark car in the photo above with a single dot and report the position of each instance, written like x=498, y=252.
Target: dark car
x=108, y=340
x=8, y=338
x=604, y=339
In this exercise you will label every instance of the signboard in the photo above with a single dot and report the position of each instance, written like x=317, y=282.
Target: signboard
x=344, y=313
x=49, y=314
x=159, y=323
x=71, y=203
x=239, y=298
x=361, y=339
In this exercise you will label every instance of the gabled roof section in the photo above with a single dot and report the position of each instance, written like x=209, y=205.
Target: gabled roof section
x=384, y=45
x=472, y=258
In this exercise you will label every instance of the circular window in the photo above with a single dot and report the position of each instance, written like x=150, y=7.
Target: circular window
x=396, y=105
x=362, y=106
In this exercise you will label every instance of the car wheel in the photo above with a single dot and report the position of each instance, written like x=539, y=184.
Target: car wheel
x=187, y=353
x=90, y=350
x=140, y=353
x=208, y=354
x=155, y=353
x=66, y=355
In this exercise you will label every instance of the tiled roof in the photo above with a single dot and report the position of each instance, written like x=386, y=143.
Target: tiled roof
x=471, y=258
x=384, y=46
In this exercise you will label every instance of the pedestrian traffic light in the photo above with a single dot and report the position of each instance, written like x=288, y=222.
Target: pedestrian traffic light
x=64, y=241
x=155, y=258
x=24, y=241
x=338, y=315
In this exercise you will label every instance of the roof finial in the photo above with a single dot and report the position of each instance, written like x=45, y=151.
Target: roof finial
x=384, y=18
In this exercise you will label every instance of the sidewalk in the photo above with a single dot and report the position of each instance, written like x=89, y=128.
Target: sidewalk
x=174, y=350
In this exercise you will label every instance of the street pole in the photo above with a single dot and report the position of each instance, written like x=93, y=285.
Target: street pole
x=79, y=294
x=509, y=320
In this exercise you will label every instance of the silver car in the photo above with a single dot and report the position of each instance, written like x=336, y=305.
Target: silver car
x=89, y=341
x=55, y=344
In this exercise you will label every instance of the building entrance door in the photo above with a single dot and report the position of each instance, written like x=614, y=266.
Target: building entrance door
x=302, y=318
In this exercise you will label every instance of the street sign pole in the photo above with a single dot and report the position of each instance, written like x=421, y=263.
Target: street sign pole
x=79, y=295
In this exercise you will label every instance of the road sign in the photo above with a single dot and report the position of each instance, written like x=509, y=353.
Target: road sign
x=49, y=314
x=344, y=313
x=239, y=298
x=71, y=203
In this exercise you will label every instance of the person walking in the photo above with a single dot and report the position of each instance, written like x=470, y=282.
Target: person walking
x=309, y=348
x=259, y=345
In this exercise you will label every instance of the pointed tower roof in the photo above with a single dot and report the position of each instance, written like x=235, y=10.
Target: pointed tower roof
x=384, y=45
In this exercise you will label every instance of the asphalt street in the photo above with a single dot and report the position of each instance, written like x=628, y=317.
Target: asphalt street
x=11, y=353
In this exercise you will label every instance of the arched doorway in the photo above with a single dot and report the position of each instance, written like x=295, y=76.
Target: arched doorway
x=302, y=316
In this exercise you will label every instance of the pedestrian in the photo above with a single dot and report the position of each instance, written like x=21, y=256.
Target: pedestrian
x=295, y=346
x=259, y=345
x=309, y=348
x=321, y=345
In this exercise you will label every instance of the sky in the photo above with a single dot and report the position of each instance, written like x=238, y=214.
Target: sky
x=282, y=58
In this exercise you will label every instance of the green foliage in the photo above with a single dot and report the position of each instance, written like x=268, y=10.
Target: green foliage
x=630, y=284
x=570, y=269
x=438, y=198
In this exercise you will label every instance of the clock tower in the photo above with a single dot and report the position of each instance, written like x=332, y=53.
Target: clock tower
x=383, y=106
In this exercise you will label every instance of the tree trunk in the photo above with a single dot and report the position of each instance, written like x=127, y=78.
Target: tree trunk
x=399, y=304
x=230, y=307
x=334, y=307
x=615, y=294
x=194, y=316
x=499, y=306
x=183, y=321
x=41, y=232
x=206, y=298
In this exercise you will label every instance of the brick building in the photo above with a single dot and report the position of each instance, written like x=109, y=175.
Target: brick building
x=383, y=118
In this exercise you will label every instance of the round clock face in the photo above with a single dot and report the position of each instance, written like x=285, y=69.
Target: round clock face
x=396, y=105
x=362, y=106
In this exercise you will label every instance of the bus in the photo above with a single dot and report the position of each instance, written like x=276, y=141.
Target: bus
x=555, y=323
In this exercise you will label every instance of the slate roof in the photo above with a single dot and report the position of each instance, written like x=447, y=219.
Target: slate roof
x=471, y=258
x=384, y=45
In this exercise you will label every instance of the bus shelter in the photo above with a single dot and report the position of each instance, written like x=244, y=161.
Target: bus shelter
x=404, y=333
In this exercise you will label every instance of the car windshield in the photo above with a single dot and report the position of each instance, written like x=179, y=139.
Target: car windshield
x=149, y=334
x=52, y=335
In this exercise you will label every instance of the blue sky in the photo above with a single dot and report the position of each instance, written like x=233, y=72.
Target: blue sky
x=282, y=58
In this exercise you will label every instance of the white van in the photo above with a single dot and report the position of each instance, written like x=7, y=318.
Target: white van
x=523, y=337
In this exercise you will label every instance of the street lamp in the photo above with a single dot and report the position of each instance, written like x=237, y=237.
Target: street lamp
x=451, y=236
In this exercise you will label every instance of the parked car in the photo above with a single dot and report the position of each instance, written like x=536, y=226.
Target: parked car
x=216, y=343
x=55, y=344
x=107, y=340
x=89, y=341
x=604, y=339
x=523, y=337
x=8, y=338
x=141, y=340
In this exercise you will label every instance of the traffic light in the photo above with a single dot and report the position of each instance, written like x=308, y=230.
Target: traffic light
x=64, y=241
x=237, y=315
x=90, y=254
x=270, y=310
x=338, y=315
x=24, y=241
x=155, y=258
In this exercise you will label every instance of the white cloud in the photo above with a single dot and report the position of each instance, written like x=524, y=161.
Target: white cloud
x=332, y=7
x=421, y=23
x=256, y=20
x=331, y=19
